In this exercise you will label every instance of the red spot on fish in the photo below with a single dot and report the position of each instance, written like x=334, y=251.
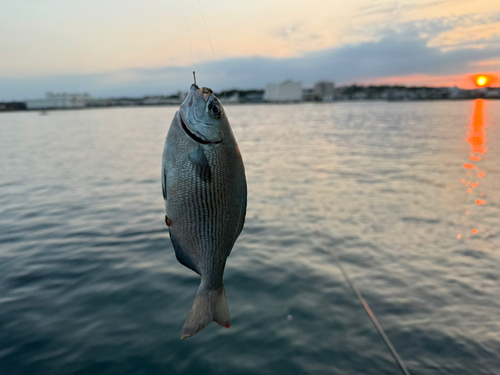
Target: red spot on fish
x=168, y=221
x=228, y=325
x=469, y=166
x=474, y=231
x=475, y=158
x=481, y=175
x=469, y=190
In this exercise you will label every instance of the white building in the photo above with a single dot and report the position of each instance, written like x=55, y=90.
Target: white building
x=324, y=91
x=287, y=91
x=56, y=101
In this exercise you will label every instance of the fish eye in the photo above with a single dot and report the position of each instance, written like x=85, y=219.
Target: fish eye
x=214, y=109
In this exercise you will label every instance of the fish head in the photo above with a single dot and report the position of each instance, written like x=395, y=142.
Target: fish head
x=202, y=115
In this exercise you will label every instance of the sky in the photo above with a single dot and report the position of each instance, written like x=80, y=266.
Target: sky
x=150, y=47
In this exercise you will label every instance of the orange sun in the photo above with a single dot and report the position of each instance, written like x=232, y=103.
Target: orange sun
x=481, y=81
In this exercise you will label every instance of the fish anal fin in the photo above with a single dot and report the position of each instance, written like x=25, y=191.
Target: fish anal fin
x=182, y=256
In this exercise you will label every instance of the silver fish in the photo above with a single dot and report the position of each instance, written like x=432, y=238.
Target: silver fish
x=205, y=193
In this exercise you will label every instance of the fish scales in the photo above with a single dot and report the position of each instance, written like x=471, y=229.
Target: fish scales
x=204, y=185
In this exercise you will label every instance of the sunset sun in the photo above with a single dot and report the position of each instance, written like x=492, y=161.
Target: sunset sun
x=481, y=81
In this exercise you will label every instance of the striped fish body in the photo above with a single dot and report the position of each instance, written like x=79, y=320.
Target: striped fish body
x=204, y=188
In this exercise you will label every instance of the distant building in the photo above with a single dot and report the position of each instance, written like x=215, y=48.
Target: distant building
x=308, y=96
x=397, y=94
x=59, y=101
x=231, y=99
x=161, y=100
x=492, y=93
x=256, y=96
x=454, y=92
x=360, y=95
x=324, y=91
x=154, y=100
x=12, y=106
x=287, y=91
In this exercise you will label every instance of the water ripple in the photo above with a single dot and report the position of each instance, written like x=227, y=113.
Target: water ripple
x=89, y=283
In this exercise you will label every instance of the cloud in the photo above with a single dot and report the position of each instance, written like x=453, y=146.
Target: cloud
x=297, y=35
x=462, y=31
x=468, y=36
x=396, y=54
x=493, y=62
x=392, y=7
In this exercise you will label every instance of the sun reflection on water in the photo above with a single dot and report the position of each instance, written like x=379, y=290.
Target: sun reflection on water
x=476, y=138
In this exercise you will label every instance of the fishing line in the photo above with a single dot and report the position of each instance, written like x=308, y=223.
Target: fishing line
x=206, y=29
x=190, y=37
x=367, y=309
x=372, y=316
x=221, y=79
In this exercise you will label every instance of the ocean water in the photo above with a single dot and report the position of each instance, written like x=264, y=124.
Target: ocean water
x=89, y=283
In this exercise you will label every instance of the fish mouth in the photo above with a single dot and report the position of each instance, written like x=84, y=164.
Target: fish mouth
x=195, y=137
x=204, y=92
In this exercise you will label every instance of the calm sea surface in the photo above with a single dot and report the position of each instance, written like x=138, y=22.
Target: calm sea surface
x=89, y=283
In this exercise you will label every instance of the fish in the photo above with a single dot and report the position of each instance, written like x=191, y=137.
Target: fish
x=205, y=194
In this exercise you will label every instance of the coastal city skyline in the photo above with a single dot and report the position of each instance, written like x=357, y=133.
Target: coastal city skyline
x=283, y=92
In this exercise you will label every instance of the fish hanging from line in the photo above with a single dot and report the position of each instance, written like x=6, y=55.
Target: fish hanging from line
x=205, y=193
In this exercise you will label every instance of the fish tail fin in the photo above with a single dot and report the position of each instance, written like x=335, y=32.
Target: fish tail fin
x=208, y=306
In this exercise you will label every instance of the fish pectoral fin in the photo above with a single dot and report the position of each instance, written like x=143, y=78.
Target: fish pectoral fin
x=199, y=159
x=182, y=256
x=164, y=182
x=208, y=306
